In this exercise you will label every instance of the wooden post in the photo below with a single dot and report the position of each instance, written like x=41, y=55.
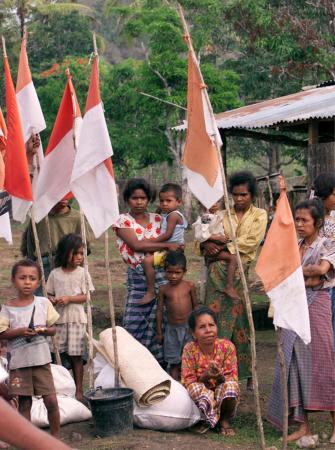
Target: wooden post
x=238, y=256
x=282, y=364
x=112, y=312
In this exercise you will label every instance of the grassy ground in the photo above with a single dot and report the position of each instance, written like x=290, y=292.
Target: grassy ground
x=82, y=435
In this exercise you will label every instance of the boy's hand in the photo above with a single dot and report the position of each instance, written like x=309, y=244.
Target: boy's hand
x=28, y=332
x=159, y=338
x=63, y=301
x=52, y=299
x=41, y=330
x=174, y=246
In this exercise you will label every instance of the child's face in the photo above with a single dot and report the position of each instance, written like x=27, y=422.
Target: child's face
x=77, y=258
x=174, y=274
x=26, y=280
x=215, y=208
x=168, y=201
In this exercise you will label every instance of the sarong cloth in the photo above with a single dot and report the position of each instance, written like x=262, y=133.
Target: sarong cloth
x=140, y=320
x=232, y=318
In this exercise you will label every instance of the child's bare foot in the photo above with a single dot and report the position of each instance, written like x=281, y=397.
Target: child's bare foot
x=231, y=292
x=225, y=428
x=80, y=396
x=148, y=297
x=303, y=430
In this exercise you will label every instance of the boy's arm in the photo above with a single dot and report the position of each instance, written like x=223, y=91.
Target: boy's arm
x=172, y=221
x=46, y=331
x=159, y=314
x=193, y=295
x=17, y=332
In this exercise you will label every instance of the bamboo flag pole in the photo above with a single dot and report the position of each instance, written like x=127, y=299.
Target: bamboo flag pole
x=282, y=365
x=109, y=280
x=84, y=239
x=238, y=256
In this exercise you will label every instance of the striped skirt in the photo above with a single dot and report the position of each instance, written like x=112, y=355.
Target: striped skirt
x=140, y=320
x=310, y=369
x=209, y=401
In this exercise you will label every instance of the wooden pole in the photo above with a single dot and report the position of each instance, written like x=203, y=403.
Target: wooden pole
x=112, y=312
x=84, y=239
x=109, y=281
x=238, y=256
x=282, y=365
x=4, y=46
x=44, y=287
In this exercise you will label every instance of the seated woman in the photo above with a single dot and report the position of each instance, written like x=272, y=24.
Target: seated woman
x=134, y=231
x=209, y=372
x=310, y=368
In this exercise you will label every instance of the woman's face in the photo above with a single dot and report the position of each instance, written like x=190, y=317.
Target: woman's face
x=206, y=330
x=304, y=223
x=138, y=201
x=242, y=197
x=329, y=202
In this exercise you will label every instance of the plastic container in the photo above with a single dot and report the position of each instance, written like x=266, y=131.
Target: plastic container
x=112, y=410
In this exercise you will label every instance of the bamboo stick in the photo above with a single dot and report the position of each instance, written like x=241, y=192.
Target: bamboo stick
x=44, y=287
x=282, y=365
x=238, y=256
x=112, y=312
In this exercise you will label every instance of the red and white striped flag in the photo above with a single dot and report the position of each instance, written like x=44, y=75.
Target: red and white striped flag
x=279, y=267
x=55, y=173
x=17, y=179
x=92, y=181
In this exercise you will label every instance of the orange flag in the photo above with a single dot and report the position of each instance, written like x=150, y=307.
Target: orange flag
x=17, y=179
x=279, y=267
x=200, y=158
x=3, y=139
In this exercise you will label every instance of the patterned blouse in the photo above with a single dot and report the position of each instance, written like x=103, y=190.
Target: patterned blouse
x=150, y=231
x=195, y=363
x=328, y=229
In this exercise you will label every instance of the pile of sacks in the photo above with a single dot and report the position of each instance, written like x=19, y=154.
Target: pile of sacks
x=161, y=403
x=70, y=409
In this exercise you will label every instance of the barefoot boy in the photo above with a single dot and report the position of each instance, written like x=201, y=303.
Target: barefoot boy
x=179, y=299
x=173, y=228
x=209, y=227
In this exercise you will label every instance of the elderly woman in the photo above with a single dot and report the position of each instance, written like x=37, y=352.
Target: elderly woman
x=209, y=372
x=134, y=231
x=310, y=368
x=324, y=188
x=250, y=225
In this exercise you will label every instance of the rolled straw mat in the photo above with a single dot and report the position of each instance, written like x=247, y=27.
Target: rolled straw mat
x=138, y=368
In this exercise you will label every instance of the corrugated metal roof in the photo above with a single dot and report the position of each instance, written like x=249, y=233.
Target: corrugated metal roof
x=316, y=103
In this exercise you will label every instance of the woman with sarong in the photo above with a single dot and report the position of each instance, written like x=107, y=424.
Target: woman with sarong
x=324, y=188
x=310, y=368
x=250, y=225
x=209, y=373
x=134, y=231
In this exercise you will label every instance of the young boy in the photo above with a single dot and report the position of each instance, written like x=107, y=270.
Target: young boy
x=25, y=321
x=209, y=227
x=172, y=230
x=179, y=298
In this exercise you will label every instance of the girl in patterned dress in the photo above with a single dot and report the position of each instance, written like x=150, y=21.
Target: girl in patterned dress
x=209, y=373
x=67, y=290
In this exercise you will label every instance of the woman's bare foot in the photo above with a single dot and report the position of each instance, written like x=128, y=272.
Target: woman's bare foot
x=303, y=430
x=225, y=428
x=231, y=292
x=250, y=386
x=147, y=298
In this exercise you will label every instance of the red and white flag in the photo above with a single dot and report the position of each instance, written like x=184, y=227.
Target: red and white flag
x=30, y=109
x=200, y=157
x=55, y=172
x=17, y=179
x=279, y=267
x=3, y=140
x=92, y=181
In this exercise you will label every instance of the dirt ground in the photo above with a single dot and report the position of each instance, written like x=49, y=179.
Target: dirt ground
x=83, y=436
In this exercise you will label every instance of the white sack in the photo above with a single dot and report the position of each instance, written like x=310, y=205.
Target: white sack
x=70, y=409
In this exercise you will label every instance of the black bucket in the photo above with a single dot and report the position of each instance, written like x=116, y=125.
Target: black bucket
x=112, y=410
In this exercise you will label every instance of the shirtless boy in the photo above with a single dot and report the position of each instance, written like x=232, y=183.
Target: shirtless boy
x=179, y=299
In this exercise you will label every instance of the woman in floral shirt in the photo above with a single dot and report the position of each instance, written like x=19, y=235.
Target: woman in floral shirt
x=134, y=231
x=209, y=372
